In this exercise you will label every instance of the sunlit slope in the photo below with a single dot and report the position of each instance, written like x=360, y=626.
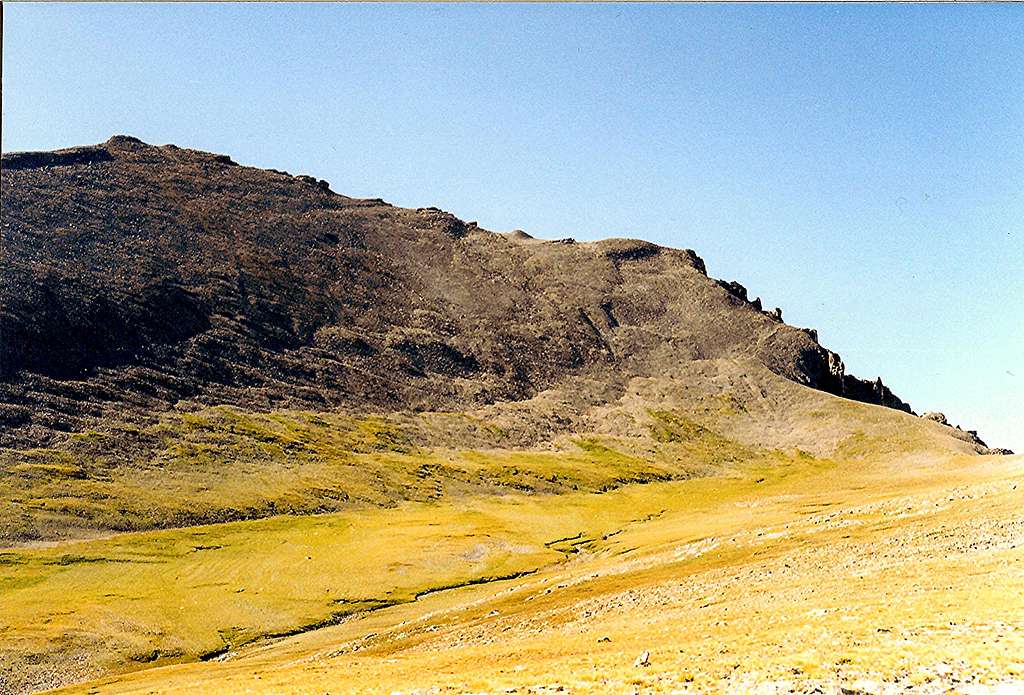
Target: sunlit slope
x=802, y=575
x=632, y=487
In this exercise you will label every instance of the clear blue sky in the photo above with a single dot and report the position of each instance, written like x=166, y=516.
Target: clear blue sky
x=860, y=166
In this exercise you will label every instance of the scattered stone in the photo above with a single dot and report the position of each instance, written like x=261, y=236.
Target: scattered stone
x=861, y=687
x=642, y=660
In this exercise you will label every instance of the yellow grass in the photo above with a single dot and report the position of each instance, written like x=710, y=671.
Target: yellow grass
x=475, y=569
x=814, y=572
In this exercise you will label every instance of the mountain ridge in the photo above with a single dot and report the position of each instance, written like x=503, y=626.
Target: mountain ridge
x=144, y=278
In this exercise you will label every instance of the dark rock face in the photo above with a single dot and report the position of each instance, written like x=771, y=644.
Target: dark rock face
x=872, y=392
x=138, y=278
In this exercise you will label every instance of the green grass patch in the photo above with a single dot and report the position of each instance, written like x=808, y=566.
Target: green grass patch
x=224, y=464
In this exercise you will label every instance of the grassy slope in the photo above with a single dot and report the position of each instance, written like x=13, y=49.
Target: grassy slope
x=416, y=519
x=180, y=594
x=223, y=464
x=822, y=575
x=124, y=601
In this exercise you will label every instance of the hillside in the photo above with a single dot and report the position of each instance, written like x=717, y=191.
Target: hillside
x=138, y=278
x=791, y=579
x=256, y=436
x=158, y=303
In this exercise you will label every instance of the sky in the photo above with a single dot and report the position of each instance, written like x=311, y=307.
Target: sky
x=860, y=166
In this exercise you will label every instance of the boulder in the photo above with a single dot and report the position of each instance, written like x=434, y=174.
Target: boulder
x=936, y=417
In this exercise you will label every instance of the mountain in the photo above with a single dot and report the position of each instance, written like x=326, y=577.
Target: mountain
x=274, y=438
x=140, y=277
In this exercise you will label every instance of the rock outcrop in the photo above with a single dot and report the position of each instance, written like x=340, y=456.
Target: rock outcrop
x=969, y=436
